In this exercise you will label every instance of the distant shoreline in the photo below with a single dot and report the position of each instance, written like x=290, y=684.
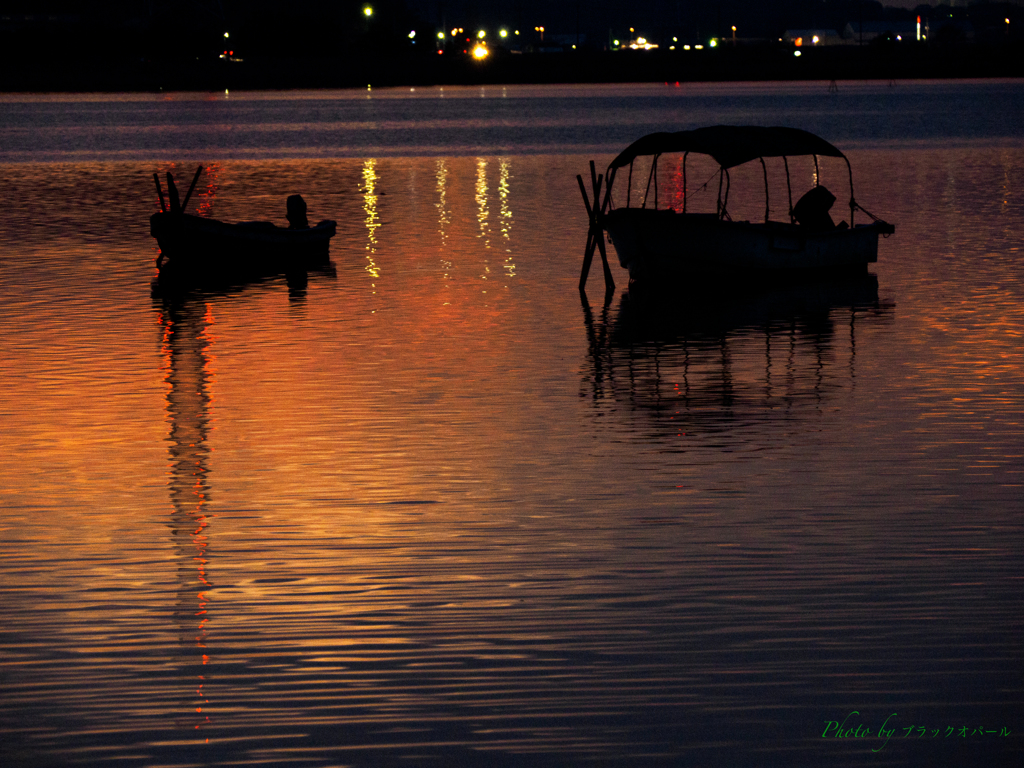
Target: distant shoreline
x=744, y=63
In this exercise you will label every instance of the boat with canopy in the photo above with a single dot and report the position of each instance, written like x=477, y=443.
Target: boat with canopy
x=653, y=241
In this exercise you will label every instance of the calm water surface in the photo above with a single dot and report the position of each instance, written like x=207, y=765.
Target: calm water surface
x=434, y=509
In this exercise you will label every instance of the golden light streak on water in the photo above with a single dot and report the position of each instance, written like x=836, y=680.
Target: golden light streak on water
x=372, y=216
x=505, y=212
x=482, y=215
x=443, y=213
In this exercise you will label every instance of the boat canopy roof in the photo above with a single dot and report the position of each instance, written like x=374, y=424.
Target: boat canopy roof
x=729, y=145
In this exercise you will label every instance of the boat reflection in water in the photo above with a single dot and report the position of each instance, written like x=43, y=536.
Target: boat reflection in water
x=187, y=326
x=187, y=323
x=702, y=360
x=174, y=287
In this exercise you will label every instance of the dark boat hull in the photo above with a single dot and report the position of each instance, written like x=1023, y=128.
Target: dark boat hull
x=655, y=244
x=191, y=246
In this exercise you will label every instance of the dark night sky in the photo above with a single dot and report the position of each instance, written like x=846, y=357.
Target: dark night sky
x=305, y=26
x=596, y=17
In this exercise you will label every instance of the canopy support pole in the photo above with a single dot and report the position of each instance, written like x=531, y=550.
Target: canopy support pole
x=721, y=176
x=789, y=190
x=685, y=155
x=767, y=208
x=652, y=176
x=853, y=202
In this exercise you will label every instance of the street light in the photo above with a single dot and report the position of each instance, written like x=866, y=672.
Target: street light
x=367, y=11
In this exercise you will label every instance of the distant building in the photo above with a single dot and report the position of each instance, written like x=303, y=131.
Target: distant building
x=809, y=38
x=869, y=31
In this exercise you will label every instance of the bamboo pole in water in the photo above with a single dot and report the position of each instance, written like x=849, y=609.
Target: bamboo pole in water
x=192, y=186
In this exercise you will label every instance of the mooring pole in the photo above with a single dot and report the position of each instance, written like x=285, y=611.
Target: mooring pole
x=595, y=232
x=588, y=253
x=599, y=206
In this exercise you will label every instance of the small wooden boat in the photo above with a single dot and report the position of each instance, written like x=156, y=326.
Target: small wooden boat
x=193, y=247
x=654, y=243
